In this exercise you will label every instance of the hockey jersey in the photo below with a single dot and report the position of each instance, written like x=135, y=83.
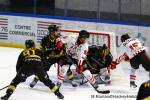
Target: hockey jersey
x=76, y=51
x=144, y=91
x=132, y=47
x=52, y=48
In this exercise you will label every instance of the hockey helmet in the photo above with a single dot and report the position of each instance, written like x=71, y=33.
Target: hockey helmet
x=124, y=37
x=84, y=34
x=53, y=28
x=29, y=43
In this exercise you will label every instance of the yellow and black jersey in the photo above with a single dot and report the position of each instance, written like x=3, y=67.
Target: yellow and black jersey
x=144, y=91
x=31, y=54
x=48, y=47
x=47, y=43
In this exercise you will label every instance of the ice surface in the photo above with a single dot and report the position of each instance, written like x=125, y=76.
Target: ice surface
x=119, y=86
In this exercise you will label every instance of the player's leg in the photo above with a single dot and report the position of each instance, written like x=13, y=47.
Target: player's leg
x=133, y=78
x=70, y=77
x=134, y=62
x=145, y=61
x=90, y=78
x=20, y=77
x=36, y=78
x=61, y=73
x=43, y=77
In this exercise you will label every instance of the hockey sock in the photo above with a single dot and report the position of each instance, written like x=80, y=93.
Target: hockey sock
x=132, y=75
x=89, y=76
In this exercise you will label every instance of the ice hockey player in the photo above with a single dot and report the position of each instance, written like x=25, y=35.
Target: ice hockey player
x=144, y=91
x=53, y=50
x=30, y=62
x=135, y=52
x=76, y=51
x=99, y=59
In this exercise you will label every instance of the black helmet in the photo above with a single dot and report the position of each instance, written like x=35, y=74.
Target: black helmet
x=29, y=43
x=84, y=33
x=124, y=37
x=52, y=28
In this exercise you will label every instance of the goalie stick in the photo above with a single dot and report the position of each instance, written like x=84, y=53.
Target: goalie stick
x=98, y=91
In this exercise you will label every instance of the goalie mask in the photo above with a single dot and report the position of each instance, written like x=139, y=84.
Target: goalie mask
x=29, y=43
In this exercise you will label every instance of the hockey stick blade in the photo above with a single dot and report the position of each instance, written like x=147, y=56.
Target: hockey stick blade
x=83, y=83
x=102, y=92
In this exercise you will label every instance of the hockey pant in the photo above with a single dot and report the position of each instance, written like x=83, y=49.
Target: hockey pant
x=22, y=76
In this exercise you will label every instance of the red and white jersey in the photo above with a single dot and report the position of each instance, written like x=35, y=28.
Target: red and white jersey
x=132, y=47
x=76, y=51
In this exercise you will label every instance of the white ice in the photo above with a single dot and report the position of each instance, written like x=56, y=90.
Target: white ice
x=119, y=86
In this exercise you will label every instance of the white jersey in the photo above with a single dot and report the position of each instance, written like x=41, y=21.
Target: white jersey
x=76, y=51
x=132, y=47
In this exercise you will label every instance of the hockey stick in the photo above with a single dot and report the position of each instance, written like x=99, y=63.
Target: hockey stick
x=83, y=81
x=98, y=91
x=9, y=84
x=4, y=87
x=98, y=75
x=102, y=92
x=100, y=64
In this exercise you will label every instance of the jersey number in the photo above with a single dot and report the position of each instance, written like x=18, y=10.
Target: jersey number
x=133, y=46
x=28, y=52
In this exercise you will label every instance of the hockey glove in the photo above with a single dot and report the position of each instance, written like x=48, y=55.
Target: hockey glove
x=113, y=65
x=126, y=58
